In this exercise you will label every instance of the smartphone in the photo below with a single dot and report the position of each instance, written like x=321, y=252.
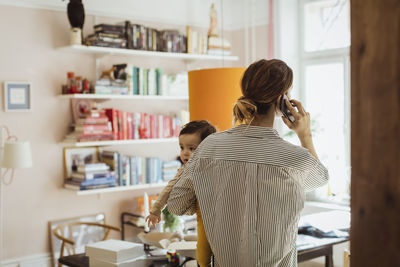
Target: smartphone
x=284, y=109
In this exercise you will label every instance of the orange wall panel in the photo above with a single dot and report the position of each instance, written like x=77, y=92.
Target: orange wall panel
x=212, y=94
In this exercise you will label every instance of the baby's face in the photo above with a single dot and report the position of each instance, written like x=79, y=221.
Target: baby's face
x=188, y=144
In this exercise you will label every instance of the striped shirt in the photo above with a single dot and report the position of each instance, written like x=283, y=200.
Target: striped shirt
x=250, y=185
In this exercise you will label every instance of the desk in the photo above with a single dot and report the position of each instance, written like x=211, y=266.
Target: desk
x=316, y=247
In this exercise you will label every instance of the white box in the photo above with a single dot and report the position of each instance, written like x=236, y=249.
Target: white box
x=114, y=251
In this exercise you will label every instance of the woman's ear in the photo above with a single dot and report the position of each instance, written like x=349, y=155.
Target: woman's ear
x=277, y=103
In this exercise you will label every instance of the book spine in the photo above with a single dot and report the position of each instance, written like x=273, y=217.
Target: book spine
x=112, y=116
x=99, y=181
x=111, y=158
x=88, y=176
x=141, y=81
x=93, y=128
x=124, y=125
x=120, y=127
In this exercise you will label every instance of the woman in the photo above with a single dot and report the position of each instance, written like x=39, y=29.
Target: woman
x=249, y=182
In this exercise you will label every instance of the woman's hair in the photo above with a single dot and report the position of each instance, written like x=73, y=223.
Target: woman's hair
x=201, y=127
x=262, y=83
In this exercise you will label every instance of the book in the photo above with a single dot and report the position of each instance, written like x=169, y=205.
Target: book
x=92, y=167
x=110, y=29
x=189, y=40
x=124, y=170
x=93, y=128
x=113, y=251
x=111, y=158
x=91, y=175
x=98, y=181
x=78, y=187
x=134, y=176
x=112, y=116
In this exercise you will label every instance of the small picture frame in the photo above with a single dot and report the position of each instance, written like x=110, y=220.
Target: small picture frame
x=75, y=156
x=17, y=96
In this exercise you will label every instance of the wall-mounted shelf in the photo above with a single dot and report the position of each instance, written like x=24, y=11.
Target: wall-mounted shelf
x=121, y=142
x=126, y=97
x=103, y=51
x=120, y=188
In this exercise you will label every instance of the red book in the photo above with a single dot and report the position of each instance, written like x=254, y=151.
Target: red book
x=148, y=125
x=160, y=126
x=166, y=127
x=113, y=118
x=152, y=126
x=92, y=128
x=144, y=129
x=129, y=119
x=173, y=126
x=89, y=120
x=120, y=130
x=124, y=125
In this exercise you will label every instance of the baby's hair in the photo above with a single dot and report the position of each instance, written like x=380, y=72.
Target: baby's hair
x=201, y=127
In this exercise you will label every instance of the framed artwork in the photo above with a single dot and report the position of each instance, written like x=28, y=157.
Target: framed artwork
x=81, y=107
x=17, y=96
x=81, y=234
x=75, y=156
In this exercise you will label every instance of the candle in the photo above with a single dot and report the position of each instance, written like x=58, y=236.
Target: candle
x=146, y=211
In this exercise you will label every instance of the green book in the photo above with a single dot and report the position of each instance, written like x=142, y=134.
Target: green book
x=135, y=80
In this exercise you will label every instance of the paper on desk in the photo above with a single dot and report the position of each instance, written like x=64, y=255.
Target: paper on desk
x=327, y=221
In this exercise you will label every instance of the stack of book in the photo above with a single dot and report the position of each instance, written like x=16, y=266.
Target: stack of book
x=114, y=253
x=170, y=168
x=111, y=87
x=91, y=176
x=107, y=35
x=93, y=126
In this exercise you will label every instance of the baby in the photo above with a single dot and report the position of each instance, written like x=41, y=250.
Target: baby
x=190, y=138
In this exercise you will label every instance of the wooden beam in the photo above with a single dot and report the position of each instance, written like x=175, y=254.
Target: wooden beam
x=375, y=133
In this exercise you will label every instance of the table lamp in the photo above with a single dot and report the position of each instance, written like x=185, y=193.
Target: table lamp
x=212, y=94
x=16, y=155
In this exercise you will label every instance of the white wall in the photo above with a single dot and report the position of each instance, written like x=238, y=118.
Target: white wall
x=180, y=12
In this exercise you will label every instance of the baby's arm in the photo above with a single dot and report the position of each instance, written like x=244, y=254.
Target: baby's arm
x=155, y=212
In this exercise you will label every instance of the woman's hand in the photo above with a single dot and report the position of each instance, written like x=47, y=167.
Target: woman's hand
x=154, y=219
x=301, y=125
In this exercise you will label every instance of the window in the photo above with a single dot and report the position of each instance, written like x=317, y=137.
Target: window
x=325, y=86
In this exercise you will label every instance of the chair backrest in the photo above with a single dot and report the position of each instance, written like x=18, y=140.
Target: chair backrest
x=80, y=233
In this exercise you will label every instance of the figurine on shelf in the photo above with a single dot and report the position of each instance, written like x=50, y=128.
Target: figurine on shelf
x=108, y=74
x=216, y=44
x=76, y=17
x=213, y=30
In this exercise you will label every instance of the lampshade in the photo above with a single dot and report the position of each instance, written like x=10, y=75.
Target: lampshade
x=212, y=94
x=17, y=154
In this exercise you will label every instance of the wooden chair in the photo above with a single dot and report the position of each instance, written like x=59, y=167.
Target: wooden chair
x=68, y=243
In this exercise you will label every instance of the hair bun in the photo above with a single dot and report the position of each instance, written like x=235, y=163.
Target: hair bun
x=244, y=110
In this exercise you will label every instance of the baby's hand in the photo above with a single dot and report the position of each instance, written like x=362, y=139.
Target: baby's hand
x=154, y=219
